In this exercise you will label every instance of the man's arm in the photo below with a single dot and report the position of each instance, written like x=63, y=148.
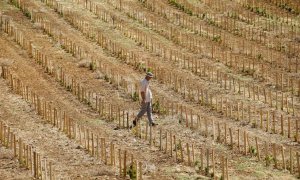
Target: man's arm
x=143, y=94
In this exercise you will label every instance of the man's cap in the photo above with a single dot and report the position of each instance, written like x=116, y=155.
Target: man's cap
x=149, y=74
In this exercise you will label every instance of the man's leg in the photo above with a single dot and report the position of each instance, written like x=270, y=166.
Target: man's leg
x=143, y=110
x=149, y=113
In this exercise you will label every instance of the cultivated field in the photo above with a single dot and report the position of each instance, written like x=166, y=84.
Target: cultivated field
x=226, y=89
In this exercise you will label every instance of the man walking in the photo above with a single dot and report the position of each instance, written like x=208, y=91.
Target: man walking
x=146, y=104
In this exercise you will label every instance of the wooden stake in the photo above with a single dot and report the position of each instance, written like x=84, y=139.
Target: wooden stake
x=20, y=151
x=267, y=123
x=283, y=158
x=35, y=175
x=213, y=161
x=120, y=162
x=231, y=138
x=160, y=139
x=257, y=149
x=245, y=142
x=112, y=154
x=140, y=169
x=50, y=171
x=171, y=144
x=219, y=133
x=275, y=155
x=225, y=133
x=88, y=140
x=291, y=161
x=213, y=126
x=226, y=164
x=146, y=134
x=297, y=128
x=274, y=127
x=104, y=151
x=125, y=156
x=166, y=149
x=193, y=154
x=281, y=122
x=93, y=145
x=298, y=163
x=151, y=141
x=181, y=150
x=188, y=153
x=207, y=161
x=15, y=144
x=289, y=127
x=238, y=138
x=175, y=148
x=223, y=167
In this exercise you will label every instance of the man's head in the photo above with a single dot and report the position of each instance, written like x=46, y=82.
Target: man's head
x=149, y=76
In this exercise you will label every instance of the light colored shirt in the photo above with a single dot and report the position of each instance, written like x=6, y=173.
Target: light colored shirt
x=146, y=88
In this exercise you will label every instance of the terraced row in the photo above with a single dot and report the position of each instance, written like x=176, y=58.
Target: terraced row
x=64, y=72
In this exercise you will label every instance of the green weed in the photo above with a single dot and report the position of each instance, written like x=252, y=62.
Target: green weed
x=286, y=7
x=149, y=70
x=211, y=22
x=253, y=150
x=181, y=7
x=68, y=88
x=135, y=96
x=217, y=38
x=92, y=66
x=254, y=125
x=132, y=171
x=157, y=108
x=259, y=57
x=178, y=146
x=206, y=170
x=269, y=159
x=106, y=78
x=27, y=13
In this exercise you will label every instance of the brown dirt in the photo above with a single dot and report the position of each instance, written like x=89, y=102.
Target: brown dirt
x=70, y=159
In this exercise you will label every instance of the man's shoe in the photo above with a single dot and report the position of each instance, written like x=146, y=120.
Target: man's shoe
x=153, y=124
x=133, y=124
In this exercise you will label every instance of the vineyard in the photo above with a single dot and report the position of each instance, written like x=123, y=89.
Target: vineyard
x=226, y=89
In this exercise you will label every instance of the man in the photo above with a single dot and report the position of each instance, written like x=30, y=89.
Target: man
x=146, y=104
